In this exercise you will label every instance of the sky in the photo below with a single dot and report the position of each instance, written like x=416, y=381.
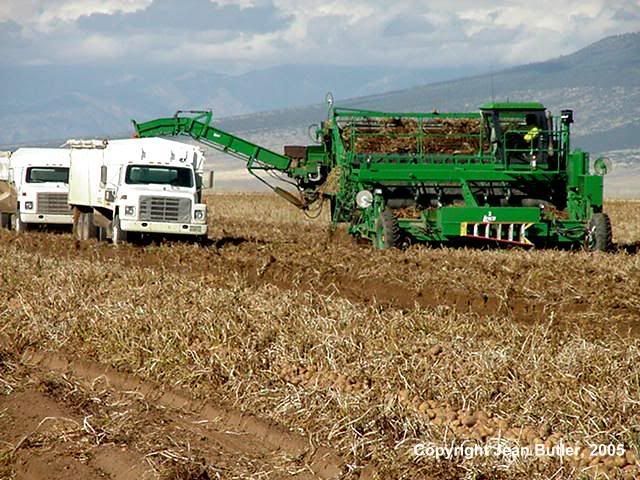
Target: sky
x=239, y=35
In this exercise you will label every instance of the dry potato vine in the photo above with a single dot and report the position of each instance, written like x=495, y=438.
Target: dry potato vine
x=364, y=351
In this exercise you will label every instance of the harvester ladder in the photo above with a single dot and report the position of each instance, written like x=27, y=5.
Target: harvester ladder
x=508, y=233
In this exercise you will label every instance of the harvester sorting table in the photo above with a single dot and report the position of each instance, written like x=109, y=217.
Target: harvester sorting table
x=503, y=175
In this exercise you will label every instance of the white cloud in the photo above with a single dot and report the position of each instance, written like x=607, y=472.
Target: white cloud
x=412, y=33
x=46, y=15
x=98, y=47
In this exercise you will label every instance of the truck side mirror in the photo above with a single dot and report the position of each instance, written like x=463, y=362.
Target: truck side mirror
x=207, y=180
x=103, y=176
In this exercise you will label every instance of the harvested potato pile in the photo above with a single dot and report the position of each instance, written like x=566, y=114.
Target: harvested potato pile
x=405, y=135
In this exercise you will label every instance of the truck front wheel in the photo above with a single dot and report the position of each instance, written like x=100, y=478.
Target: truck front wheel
x=201, y=239
x=19, y=225
x=118, y=236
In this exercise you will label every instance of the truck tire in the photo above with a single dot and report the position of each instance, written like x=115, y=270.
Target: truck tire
x=78, y=220
x=5, y=221
x=90, y=230
x=201, y=239
x=387, y=230
x=83, y=227
x=118, y=236
x=19, y=225
x=599, y=233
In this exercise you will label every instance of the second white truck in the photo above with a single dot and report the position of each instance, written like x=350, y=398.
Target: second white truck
x=34, y=188
x=121, y=189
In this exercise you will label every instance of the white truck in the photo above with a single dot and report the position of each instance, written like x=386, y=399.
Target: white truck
x=34, y=184
x=122, y=189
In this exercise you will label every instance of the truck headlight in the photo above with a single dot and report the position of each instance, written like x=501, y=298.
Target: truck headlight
x=129, y=210
x=364, y=199
x=28, y=205
x=198, y=215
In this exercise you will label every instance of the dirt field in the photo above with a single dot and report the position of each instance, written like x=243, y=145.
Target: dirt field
x=283, y=350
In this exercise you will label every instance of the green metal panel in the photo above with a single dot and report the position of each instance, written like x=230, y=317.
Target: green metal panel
x=593, y=189
x=411, y=174
x=458, y=215
x=513, y=106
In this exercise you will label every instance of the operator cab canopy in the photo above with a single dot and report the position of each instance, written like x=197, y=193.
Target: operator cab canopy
x=520, y=114
x=507, y=125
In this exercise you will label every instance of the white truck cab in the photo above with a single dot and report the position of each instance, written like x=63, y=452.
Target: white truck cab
x=36, y=186
x=121, y=188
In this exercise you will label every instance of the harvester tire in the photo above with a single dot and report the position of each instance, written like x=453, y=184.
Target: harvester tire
x=387, y=230
x=599, y=233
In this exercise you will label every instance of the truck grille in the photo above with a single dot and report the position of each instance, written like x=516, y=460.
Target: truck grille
x=165, y=209
x=53, y=203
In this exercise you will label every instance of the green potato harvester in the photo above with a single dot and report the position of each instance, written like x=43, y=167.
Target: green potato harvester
x=503, y=175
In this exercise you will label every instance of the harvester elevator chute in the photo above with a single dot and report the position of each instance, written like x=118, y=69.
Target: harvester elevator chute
x=198, y=126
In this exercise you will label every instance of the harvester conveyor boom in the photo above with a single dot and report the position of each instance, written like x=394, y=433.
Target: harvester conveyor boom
x=199, y=128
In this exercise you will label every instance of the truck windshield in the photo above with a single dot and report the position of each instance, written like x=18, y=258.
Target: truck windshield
x=47, y=175
x=146, y=174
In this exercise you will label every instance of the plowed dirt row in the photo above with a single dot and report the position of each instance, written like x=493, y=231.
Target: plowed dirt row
x=78, y=419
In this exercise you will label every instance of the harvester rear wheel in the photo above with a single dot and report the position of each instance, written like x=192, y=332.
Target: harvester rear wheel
x=599, y=233
x=387, y=230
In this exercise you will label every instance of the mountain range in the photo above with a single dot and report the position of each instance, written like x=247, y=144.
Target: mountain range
x=51, y=103
x=45, y=105
x=601, y=83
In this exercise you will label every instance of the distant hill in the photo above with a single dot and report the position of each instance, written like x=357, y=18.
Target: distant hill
x=600, y=82
x=51, y=103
